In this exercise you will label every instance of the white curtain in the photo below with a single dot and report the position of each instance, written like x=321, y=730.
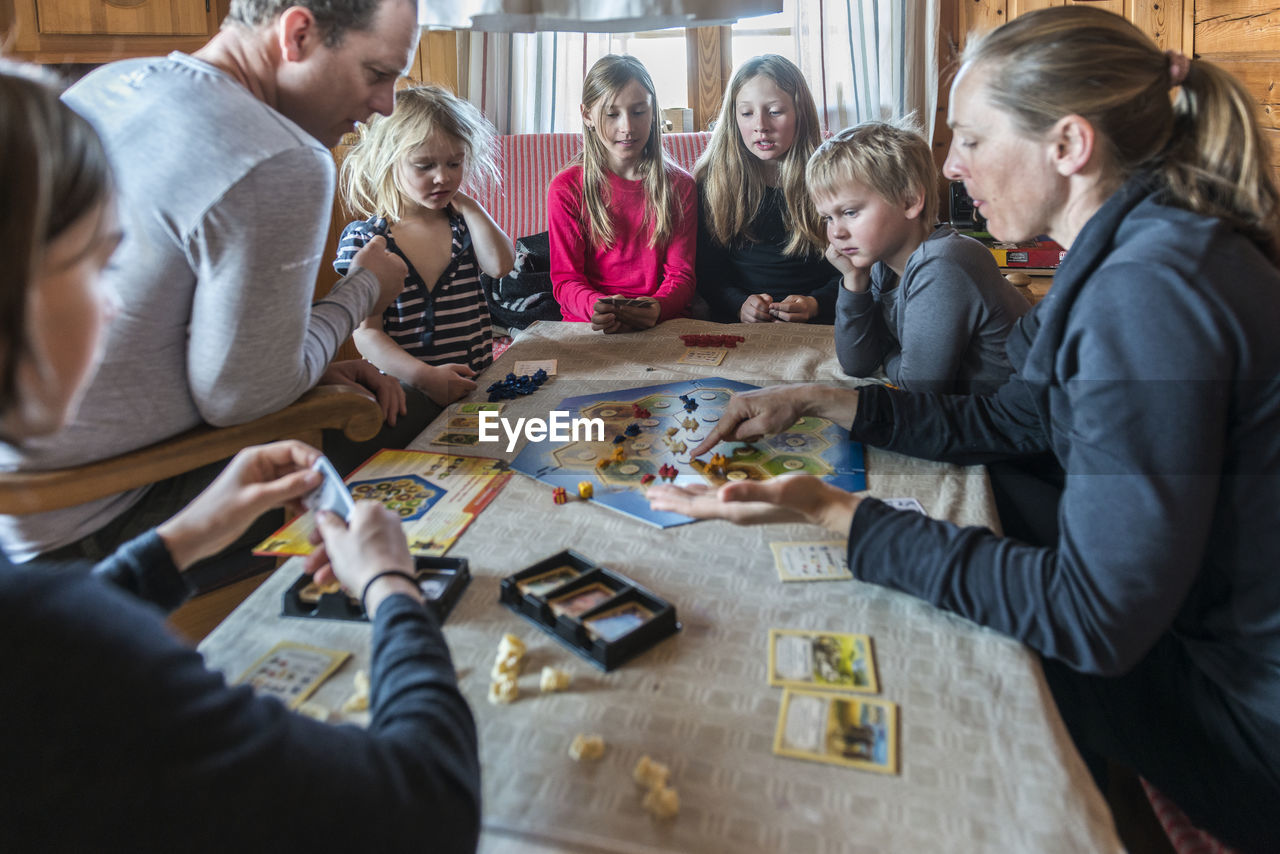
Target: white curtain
x=528, y=82
x=864, y=59
x=587, y=16
x=870, y=59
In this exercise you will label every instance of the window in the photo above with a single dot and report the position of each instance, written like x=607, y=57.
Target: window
x=665, y=54
x=765, y=34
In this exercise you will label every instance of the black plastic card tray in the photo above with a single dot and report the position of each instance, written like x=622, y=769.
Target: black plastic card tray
x=600, y=614
x=442, y=581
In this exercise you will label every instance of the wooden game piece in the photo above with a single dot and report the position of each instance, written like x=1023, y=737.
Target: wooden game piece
x=559, y=496
x=585, y=489
x=646, y=479
x=503, y=692
x=587, y=747
x=314, y=710
x=554, y=680
x=506, y=667
x=510, y=653
x=358, y=701
x=511, y=644
x=650, y=774
x=661, y=803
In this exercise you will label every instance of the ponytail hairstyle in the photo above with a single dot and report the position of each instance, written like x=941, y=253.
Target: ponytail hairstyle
x=732, y=178
x=1204, y=145
x=370, y=178
x=662, y=212
x=53, y=172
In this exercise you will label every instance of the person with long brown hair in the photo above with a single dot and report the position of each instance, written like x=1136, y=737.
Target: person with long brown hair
x=760, y=244
x=1145, y=572
x=118, y=736
x=622, y=218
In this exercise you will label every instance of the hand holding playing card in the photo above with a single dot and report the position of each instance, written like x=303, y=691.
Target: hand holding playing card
x=604, y=316
x=639, y=313
x=256, y=480
x=370, y=542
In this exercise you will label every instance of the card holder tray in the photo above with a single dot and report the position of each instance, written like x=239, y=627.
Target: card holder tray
x=600, y=614
x=441, y=579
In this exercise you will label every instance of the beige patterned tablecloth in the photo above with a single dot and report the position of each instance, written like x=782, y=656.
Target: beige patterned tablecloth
x=986, y=763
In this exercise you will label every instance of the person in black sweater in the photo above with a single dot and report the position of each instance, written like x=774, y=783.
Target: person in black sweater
x=118, y=738
x=760, y=244
x=1147, y=579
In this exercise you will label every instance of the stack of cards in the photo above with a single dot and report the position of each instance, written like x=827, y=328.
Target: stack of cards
x=600, y=614
x=442, y=581
x=817, y=724
x=623, y=302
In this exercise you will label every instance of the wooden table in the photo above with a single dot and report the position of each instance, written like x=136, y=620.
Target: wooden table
x=986, y=763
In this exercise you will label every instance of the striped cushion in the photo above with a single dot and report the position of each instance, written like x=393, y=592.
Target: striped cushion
x=529, y=161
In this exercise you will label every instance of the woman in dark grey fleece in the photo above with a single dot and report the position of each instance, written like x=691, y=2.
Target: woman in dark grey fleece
x=1149, y=372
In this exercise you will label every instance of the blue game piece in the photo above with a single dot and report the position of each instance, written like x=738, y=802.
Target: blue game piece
x=633, y=429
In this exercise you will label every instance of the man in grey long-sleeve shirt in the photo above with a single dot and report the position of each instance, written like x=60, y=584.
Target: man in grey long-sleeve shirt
x=225, y=188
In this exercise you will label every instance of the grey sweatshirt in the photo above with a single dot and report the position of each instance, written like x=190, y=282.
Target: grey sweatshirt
x=225, y=204
x=942, y=327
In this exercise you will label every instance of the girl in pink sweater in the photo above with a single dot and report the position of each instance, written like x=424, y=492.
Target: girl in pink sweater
x=622, y=220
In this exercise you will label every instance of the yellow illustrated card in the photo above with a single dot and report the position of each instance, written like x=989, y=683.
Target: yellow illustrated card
x=839, y=730
x=828, y=661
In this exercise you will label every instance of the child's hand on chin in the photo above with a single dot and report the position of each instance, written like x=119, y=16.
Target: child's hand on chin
x=446, y=383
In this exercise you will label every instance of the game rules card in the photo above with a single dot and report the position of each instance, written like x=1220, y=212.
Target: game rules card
x=291, y=672
x=839, y=730
x=817, y=560
x=708, y=356
x=529, y=367
x=800, y=658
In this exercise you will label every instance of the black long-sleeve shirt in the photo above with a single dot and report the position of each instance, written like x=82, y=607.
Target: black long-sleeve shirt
x=728, y=275
x=118, y=738
x=1150, y=371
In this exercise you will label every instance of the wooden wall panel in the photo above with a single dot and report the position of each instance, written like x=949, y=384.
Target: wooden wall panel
x=709, y=71
x=948, y=60
x=135, y=17
x=980, y=16
x=1237, y=27
x=1243, y=37
x=437, y=60
x=1161, y=20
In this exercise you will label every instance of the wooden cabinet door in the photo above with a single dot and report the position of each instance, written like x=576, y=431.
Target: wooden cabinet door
x=122, y=17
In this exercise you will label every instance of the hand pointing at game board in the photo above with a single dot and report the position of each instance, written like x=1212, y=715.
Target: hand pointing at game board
x=767, y=411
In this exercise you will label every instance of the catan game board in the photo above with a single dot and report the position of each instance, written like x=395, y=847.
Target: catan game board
x=659, y=425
